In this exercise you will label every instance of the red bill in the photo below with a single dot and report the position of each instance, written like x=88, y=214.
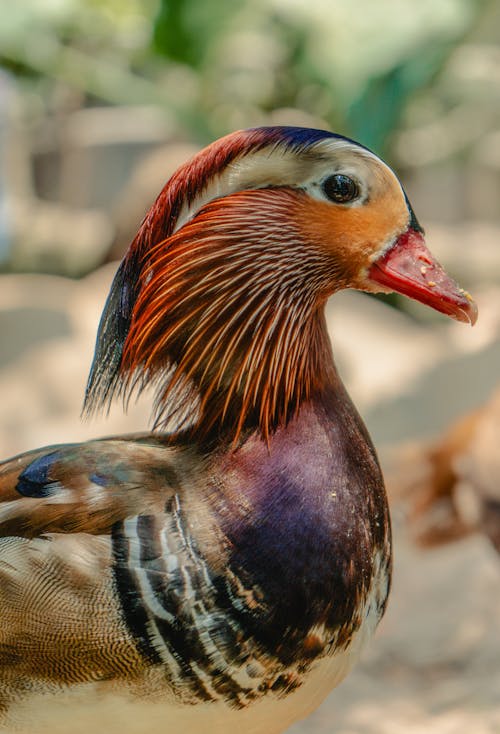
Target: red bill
x=409, y=268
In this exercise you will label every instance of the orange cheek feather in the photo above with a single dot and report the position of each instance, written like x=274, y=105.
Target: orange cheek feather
x=351, y=235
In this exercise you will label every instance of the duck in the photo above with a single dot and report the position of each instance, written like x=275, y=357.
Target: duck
x=455, y=492
x=225, y=570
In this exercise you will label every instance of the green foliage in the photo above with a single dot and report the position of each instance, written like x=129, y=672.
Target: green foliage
x=378, y=108
x=184, y=31
x=220, y=65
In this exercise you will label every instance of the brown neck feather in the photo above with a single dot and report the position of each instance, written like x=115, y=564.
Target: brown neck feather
x=228, y=324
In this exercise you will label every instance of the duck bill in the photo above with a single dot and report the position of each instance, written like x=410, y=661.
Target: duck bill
x=408, y=267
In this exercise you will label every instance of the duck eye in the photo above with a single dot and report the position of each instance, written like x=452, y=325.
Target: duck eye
x=340, y=188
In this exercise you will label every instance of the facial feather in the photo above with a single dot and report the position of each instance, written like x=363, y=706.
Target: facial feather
x=214, y=310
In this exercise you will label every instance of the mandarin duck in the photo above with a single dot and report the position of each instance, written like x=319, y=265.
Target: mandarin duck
x=456, y=490
x=223, y=572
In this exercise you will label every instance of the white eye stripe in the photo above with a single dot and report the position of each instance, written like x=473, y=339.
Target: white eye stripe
x=276, y=166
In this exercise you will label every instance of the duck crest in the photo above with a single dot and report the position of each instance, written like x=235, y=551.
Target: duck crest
x=158, y=224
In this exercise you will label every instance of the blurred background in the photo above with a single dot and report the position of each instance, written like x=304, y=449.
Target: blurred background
x=101, y=100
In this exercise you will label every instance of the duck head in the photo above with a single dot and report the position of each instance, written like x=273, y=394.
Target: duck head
x=218, y=302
